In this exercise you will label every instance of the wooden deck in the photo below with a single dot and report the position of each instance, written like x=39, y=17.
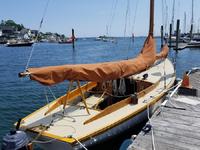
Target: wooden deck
x=176, y=126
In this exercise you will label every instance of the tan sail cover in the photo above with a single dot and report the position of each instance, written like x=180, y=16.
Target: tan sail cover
x=164, y=52
x=97, y=72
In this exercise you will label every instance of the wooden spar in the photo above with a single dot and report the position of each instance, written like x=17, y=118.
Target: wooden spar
x=110, y=109
x=71, y=96
x=161, y=30
x=68, y=92
x=151, y=24
x=73, y=38
x=83, y=97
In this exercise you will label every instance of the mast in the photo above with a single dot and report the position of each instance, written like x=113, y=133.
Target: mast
x=192, y=20
x=151, y=23
x=198, y=25
x=173, y=9
x=184, y=25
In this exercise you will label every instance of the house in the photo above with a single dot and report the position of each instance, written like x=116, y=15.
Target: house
x=7, y=31
x=34, y=33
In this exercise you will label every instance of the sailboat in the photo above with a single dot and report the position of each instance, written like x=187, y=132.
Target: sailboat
x=116, y=96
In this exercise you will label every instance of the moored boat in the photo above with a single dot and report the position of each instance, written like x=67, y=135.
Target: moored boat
x=19, y=43
x=115, y=98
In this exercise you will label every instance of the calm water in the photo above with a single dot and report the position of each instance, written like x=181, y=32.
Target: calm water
x=19, y=97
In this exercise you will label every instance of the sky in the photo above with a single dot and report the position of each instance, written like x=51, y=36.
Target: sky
x=90, y=18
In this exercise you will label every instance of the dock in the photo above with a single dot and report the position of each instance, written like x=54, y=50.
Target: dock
x=176, y=124
x=181, y=46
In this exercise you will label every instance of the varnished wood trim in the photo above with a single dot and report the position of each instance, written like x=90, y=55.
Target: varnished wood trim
x=109, y=110
x=147, y=90
x=83, y=96
x=72, y=95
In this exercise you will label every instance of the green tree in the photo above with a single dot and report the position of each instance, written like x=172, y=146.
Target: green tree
x=11, y=23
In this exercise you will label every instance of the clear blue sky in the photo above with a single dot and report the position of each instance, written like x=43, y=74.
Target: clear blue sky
x=90, y=17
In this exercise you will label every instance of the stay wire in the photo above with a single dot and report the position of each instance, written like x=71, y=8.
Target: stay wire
x=112, y=15
x=135, y=14
x=39, y=28
x=126, y=17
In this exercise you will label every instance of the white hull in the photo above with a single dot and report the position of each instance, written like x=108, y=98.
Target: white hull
x=96, y=131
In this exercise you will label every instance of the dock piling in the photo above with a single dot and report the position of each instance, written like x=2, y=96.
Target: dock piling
x=161, y=30
x=73, y=38
x=177, y=33
x=170, y=35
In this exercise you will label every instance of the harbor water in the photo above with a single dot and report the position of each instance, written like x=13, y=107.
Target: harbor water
x=20, y=96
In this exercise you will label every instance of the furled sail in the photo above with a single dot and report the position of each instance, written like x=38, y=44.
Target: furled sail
x=97, y=72
x=164, y=52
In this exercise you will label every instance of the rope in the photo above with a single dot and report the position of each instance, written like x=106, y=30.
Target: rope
x=40, y=26
x=52, y=93
x=70, y=136
x=152, y=132
x=173, y=92
x=40, y=133
x=46, y=96
x=164, y=75
x=53, y=96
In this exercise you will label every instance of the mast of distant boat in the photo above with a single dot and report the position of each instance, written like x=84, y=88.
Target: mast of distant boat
x=192, y=20
x=173, y=9
x=184, y=27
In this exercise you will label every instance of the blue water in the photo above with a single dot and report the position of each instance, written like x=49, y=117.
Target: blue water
x=19, y=97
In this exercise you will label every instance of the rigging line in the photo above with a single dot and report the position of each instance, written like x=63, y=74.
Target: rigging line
x=135, y=14
x=152, y=130
x=52, y=93
x=39, y=28
x=126, y=20
x=109, y=17
x=53, y=96
x=166, y=17
x=113, y=16
x=133, y=26
x=126, y=17
x=46, y=96
x=173, y=11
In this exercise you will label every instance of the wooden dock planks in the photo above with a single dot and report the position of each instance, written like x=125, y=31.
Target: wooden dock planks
x=174, y=128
